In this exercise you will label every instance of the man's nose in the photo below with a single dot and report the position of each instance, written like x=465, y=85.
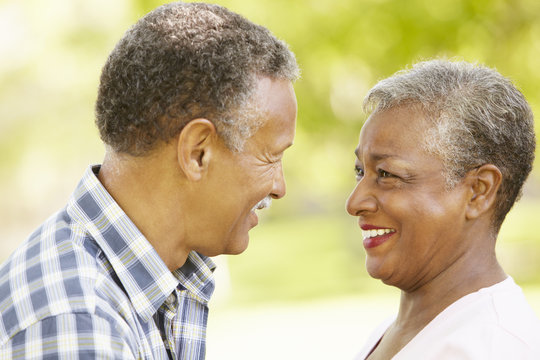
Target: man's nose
x=278, y=187
x=361, y=200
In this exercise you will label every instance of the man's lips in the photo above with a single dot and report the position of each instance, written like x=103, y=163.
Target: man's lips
x=254, y=218
x=263, y=204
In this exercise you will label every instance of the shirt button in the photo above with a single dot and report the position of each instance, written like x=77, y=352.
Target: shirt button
x=170, y=299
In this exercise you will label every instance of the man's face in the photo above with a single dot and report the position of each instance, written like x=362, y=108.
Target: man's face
x=239, y=181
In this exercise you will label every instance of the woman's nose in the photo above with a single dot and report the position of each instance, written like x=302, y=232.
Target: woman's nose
x=361, y=200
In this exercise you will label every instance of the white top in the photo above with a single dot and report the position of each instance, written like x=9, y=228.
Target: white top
x=493, y=323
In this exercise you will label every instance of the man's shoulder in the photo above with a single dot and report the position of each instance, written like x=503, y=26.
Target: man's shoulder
x=59, y=269
x=59, y=246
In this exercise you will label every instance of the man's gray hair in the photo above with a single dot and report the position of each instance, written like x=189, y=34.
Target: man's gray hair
x=478, y=117
x=184, y=61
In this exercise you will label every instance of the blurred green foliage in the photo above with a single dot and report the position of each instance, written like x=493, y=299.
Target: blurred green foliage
x=306, y=246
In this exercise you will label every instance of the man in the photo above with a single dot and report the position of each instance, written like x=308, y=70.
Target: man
x=196, y=108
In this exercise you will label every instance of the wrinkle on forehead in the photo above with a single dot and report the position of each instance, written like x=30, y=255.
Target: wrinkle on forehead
x=394, y=134
x=375, y=156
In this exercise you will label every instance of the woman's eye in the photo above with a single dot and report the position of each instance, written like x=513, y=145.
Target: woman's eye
x=358, y=171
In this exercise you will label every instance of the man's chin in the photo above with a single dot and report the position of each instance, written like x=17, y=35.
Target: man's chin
x=235, y=248
x=238, y=248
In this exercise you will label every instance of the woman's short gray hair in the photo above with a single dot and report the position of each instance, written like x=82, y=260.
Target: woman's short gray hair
x=184, y=61
x=479, y=118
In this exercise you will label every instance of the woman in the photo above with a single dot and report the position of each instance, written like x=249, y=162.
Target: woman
x=440, y=162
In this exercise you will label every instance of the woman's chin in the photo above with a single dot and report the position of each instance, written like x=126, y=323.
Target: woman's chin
x=378, y=271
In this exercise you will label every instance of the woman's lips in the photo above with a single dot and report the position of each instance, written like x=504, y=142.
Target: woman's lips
x=371, y=242
x=375, y=235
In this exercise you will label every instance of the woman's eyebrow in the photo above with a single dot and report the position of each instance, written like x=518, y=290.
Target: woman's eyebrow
x=376, y=156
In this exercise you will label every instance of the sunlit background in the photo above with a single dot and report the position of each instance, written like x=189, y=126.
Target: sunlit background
x=300, y=291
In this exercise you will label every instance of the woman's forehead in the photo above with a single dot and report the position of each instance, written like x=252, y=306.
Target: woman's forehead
x=395, y=128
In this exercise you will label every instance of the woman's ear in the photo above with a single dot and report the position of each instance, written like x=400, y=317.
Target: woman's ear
x=485, y=182
x=195, y=147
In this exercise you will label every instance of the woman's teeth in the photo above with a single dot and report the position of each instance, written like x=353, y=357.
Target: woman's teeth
x=376, y=232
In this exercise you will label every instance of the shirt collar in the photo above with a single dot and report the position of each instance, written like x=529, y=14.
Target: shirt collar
x=196, y=276
x=143, y=274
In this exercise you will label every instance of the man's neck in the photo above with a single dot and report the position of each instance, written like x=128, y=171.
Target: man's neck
x=142, y=188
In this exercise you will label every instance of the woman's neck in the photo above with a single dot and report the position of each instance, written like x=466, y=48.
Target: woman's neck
x=466, y=275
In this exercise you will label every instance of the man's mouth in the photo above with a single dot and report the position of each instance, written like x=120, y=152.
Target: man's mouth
x=264, y=203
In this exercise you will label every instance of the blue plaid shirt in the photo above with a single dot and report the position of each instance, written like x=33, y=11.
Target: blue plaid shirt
x=87, y=284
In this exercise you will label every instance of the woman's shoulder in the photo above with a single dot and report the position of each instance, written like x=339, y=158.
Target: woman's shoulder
x=490, y=323
x=517, y=326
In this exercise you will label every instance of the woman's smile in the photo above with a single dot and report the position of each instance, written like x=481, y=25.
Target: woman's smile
x=375, y=236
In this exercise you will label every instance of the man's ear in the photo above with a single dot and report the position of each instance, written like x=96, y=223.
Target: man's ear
x=195, y=145
x=485, y=182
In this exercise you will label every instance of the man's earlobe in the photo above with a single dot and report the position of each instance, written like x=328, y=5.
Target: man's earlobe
x=194, y=147
x=485, y=182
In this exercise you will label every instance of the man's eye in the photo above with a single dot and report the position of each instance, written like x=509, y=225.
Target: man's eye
x=359, y=171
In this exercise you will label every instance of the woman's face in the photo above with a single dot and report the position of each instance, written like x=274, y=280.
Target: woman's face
x=412, y=226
